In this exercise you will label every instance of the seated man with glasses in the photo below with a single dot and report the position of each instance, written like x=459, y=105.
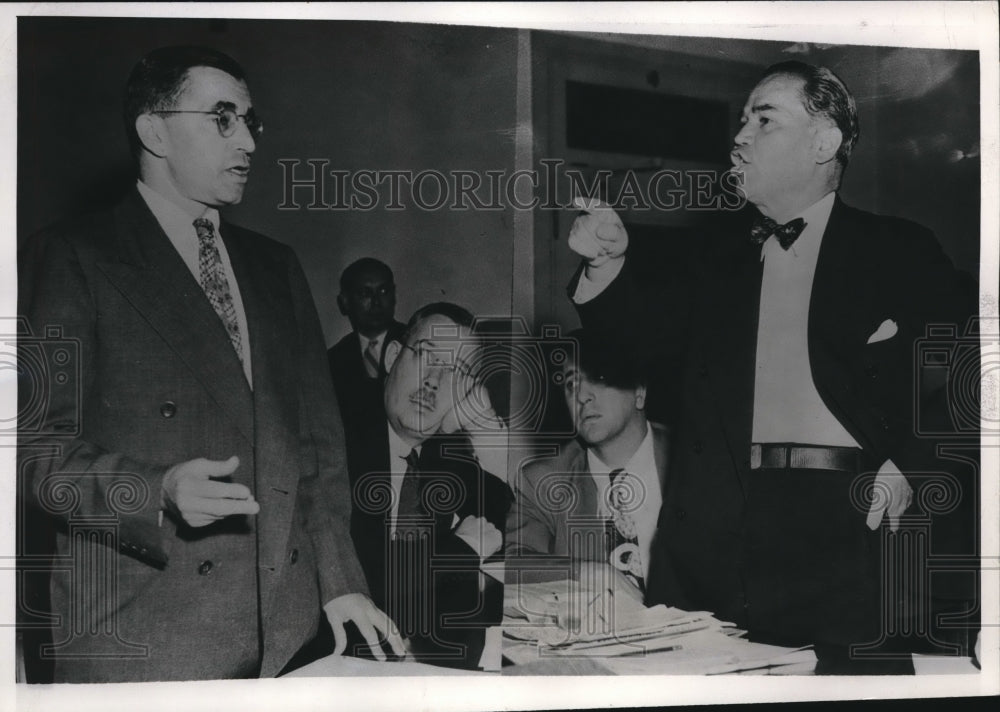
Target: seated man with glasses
x=429, y=491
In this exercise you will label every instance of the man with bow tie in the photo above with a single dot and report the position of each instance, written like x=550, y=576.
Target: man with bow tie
x=795, y=430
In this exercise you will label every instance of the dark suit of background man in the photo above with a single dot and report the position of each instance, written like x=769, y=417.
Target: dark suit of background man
x=368, y=299
x=797, y=378
x=202, y=395
x=615, y=470
x=430, y=493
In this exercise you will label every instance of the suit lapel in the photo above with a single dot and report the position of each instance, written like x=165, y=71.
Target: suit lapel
x=838, y=317
x=584, y=483
x=276, y=399
x=661, y=455
x=151, y=275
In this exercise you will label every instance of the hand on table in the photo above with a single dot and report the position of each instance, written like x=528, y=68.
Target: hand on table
x=370, y=621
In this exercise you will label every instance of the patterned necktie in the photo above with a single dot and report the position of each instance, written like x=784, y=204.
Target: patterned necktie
x=215, y=284
x=623, y=540
x=764, y=227
x=371, y=357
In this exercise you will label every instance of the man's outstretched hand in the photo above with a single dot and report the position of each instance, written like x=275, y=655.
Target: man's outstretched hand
x=190, y=491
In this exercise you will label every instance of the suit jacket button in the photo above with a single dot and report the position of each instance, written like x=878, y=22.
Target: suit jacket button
x=205, y=568
x=168, y=409
x=681, y=513
x=294, y=556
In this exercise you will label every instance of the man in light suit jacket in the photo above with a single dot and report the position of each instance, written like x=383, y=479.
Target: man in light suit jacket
x=430, y=493
x=197, y=432
x=797, y=339
x=565, y=508
x=357, y=362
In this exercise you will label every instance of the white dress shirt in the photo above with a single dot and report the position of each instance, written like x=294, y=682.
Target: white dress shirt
x=786, y=405
x=642, y=465
x=398, y=452
x=363, y=341
x=179, y=227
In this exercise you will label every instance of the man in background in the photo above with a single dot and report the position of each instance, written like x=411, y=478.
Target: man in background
x=212, y=450
x=368, y=299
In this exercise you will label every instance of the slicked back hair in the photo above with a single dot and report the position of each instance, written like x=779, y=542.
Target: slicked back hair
x=461, y=316
x=824, y=94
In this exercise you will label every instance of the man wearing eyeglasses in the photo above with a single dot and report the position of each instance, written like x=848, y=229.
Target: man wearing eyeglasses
x=368, y=299
x=201, y=424
x=429, y=491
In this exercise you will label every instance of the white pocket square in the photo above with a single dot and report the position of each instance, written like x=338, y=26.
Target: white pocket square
x=886, y=330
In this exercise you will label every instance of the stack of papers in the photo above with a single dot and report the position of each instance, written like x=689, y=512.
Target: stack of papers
x=566, y=619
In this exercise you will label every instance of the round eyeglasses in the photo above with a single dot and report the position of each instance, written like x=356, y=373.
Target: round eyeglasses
x=442, y=359
x=226, y=120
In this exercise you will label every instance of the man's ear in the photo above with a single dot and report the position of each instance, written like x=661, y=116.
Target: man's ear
x=640, y=397
x=828, y=140
x=392, y=350
x=342, y=304
x=150, y=129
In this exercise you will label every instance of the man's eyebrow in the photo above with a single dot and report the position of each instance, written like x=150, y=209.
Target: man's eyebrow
x=221, y=105
x=758, y=108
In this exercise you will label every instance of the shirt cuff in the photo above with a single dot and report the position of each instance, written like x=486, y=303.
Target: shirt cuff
x=587, y=288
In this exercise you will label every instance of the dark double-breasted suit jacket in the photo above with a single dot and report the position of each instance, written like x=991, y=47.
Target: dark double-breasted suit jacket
x=435, y=591
x=870, y=269
x=359, y=396
x=154, y=381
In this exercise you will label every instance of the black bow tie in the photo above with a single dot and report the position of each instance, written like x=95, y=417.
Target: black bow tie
x=764, y=227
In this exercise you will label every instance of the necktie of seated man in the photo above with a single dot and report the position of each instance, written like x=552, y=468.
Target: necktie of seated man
x=764, y=227
x=371, y=358
x=408, y=599
x=213, y=281
x=623, y=497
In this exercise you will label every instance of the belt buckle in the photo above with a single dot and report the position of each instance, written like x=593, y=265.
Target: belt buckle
x=755, y=456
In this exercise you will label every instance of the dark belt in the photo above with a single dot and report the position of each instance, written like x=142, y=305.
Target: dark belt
x=805, y=457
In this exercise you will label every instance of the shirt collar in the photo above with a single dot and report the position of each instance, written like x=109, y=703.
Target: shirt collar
x=365, y=340
x=398, y=448
x=641, y=462
x=174, y=220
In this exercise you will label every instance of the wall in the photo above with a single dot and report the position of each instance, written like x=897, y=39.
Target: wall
x=363, y=96
x=918, y=155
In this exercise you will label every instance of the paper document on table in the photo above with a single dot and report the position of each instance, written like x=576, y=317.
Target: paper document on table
x=568, y=618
